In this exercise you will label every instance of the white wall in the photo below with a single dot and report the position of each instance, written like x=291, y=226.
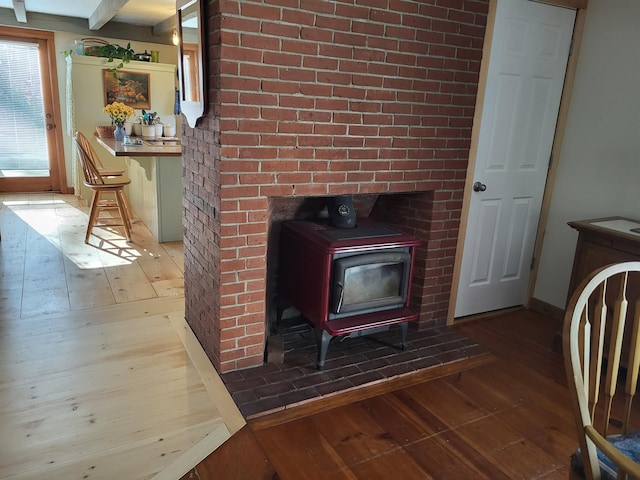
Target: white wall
x=599, y=170
x=65, y=42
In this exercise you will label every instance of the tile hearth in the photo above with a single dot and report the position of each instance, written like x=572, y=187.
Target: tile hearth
x=350, y=363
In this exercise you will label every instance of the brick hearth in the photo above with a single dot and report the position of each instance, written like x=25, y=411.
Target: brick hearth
x=313, y=98
x=352, y=363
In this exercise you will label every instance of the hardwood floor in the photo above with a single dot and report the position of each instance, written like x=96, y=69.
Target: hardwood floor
x=100, y=377
x=507, y=418
x=68, y=308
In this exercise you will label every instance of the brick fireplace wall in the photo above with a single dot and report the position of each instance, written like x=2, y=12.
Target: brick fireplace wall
x=314, y=98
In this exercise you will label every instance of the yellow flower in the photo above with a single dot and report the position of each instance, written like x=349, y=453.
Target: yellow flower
x=119, y=112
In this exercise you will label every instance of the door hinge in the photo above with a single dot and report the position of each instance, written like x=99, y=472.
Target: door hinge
x=533, y=262
x=550, y=161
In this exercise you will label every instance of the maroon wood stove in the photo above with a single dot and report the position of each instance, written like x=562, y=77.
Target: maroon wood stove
x=347, y=281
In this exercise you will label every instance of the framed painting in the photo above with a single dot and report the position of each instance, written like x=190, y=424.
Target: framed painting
x=130, y=88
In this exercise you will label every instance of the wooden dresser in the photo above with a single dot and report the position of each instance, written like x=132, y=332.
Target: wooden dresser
x=602, y=241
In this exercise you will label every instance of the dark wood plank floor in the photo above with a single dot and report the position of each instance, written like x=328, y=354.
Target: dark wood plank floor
x=507, y=418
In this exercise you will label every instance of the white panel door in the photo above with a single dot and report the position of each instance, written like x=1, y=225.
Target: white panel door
x=527, y=65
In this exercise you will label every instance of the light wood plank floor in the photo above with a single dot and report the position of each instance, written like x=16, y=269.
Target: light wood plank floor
x=101, y=377
x=45, y=266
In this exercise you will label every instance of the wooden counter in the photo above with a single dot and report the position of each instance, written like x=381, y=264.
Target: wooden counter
x=155, y=192
x=149, y=148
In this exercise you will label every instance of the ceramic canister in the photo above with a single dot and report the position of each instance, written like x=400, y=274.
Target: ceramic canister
x=149, y=131
x=169, y=131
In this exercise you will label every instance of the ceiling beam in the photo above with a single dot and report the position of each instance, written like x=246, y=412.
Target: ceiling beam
x=20, y=11
x=169, y=25
x=104, y=12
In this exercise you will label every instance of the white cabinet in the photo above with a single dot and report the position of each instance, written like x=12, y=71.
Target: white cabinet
x=155, y=194
x=86, y=99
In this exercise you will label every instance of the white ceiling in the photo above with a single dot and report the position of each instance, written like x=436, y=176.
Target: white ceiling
x=137, y=12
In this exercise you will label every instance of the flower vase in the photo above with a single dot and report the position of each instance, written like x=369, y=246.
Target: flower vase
x=119, y=133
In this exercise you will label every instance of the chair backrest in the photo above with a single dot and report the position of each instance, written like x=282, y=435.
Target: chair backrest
x=600, y=342
x=91, y=173
x=89, y=150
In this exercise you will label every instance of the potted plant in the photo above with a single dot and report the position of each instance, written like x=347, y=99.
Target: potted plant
x=112, y=51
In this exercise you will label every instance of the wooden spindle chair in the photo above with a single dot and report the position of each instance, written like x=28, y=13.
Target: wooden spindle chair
x=83, y=142
x=602, y=357
x=100, y=186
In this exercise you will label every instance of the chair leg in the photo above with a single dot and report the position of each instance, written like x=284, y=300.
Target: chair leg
x=93, y=213
x=127, y=206
x=124, y=214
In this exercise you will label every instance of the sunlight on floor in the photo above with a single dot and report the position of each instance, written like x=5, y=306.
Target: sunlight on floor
x=45, y=266
x=68, y=230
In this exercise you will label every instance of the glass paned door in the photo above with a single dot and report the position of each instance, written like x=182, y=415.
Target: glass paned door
x=31, y=147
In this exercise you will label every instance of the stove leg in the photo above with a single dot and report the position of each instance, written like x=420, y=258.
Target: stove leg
x=405, y=329
x=323, y=338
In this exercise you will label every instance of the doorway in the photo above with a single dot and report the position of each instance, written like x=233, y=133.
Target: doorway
x=31, y=152
x=525, y=78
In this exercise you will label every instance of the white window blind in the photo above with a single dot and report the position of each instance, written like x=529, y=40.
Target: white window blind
x=23, y=143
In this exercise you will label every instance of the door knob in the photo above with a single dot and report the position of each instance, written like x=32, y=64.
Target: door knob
x=49, y=126
x=479, y=187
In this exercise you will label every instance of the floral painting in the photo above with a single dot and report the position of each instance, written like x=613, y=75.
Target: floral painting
x=129, y=88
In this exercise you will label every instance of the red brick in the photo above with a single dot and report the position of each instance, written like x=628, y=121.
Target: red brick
x=257, y=126
x=240, y=54
x=256, y=99
x=298, y=17
x=290, y=104
x=276, y=190
x=259, y=41
x=239, y=192
x=226, y=356
x=252, y=10
x=254, y=204
x=311, y=190
x=251, y=340
x=294, y=178
x=257, y=307
x=251, y=319
x=276, y=86
x=372, y=29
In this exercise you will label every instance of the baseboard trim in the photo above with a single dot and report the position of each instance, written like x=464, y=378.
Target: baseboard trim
x=546, y=309
x=554, y=313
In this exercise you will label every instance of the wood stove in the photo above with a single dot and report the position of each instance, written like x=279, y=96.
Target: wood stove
x=347, y=281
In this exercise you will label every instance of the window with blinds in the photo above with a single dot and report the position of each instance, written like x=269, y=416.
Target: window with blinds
x=23, y=142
